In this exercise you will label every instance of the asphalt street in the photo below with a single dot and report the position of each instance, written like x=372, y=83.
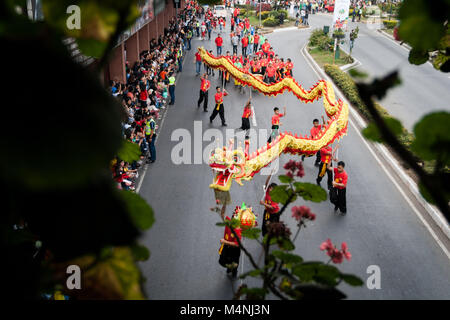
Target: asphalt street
x=423, y=89
x=380, y=227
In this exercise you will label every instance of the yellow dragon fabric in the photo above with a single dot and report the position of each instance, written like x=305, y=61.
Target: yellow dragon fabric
x=237, y=164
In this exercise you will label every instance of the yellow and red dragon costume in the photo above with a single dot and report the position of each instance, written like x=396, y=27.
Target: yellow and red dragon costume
x=238, y=164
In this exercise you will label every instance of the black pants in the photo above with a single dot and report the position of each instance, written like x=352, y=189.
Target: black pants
x=221, y=113
x=203, y=97
x=317, y=162
x=341, y=202
x=322, y=171
x=244, y=52
x=234, y=49
x=267, y=219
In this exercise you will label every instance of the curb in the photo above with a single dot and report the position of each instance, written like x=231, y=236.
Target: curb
x=346, y=67
x=436, y=216
x=387, y=35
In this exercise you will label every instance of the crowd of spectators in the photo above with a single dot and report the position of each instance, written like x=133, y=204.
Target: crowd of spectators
x=148, y=90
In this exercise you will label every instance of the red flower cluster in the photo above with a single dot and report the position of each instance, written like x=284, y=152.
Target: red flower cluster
x=302, y=212
x=294, y=168
x=336, y=255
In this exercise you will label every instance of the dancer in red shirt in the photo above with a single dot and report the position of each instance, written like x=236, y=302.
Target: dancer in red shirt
x=219, y=109
x=315, y=130
x=271, y=208
x=246, y=118
x=339, y=190
x=276, y=122
x=204, y=87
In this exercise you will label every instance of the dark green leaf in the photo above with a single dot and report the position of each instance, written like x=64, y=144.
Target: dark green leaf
x=251, y=233
x=372, y=132
x=140, y=252
x=310, y=192
x=418, y=57
x=285, y=179
x=139, y=210
x=433, y=137
x=352, y=280
x=129, y=152
x=279, y=194
x=287, y=257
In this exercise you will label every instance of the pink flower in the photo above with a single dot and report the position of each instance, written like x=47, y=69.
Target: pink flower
x=336, y=255
x=327, y=245
x=302, y=212
x=289, y=174
x=290, y=165
x=345, y=251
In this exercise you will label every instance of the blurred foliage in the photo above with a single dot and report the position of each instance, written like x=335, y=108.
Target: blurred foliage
x=433, y=137
x=98, y=21
x=424, y=26
x=57, y=186
x=431, y=143
x=390, y=24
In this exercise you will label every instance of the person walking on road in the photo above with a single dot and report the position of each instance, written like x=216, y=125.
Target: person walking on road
x=235, y=42
x=219, y=42
x=339, y=189
x=276, y=123
x=204, y=87
x=246, y=119
x=219, y=109
x=198, y=63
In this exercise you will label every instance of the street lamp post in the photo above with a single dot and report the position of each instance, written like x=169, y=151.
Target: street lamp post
x=260, y=13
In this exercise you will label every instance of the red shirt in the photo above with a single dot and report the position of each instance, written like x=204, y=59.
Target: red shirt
x=219, y=41
x=325, y=154
x=256, y=39
x=340, y=177
x=268, y=200
x=204, y=86
x=219, y=97
x=271, y=71
x=315, y=131
x=247, y=113
x=244, y=41
x=276, y=119
x=229, y=236
x=265, y=47
x=143, y=95
x=198, y=57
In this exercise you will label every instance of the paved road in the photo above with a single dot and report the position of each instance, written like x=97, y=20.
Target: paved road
x=380, y=228
x=423, y=89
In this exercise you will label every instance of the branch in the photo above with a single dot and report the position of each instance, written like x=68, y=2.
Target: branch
x=435, y=192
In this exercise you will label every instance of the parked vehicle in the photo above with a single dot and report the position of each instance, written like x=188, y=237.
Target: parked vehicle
x=220, y=11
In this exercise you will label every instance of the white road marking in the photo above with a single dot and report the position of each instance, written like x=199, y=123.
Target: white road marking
x=438, y=241
x=253, y=117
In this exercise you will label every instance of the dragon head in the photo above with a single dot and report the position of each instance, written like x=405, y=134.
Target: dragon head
x=227, y=164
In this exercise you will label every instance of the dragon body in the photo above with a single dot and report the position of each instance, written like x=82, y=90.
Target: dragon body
x=237, y=164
